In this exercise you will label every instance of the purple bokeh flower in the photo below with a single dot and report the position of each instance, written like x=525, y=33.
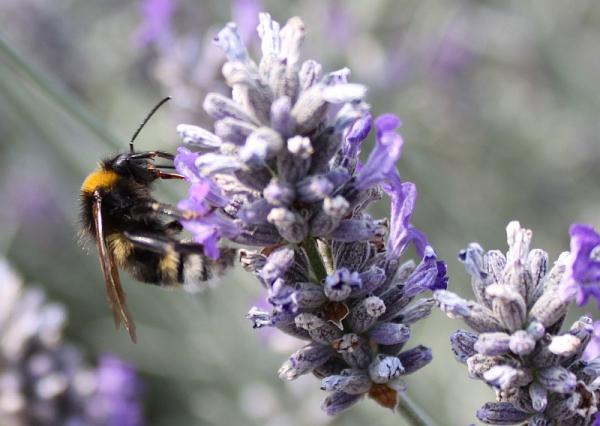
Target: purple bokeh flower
x=116, y=401
x=582, y=277
x=245, y=14
x=156, y=21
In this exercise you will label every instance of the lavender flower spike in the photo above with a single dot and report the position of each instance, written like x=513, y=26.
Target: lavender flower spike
x=539, y=374
x=582, y=277
x=280, y=171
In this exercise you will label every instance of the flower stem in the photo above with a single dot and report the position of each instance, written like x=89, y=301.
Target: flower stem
x=412, y=413
x=314, y=259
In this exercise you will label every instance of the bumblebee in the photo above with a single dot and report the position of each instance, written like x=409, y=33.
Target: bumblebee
x=130, y=230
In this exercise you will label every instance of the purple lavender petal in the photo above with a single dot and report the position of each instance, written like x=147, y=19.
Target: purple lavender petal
x=402, y=233
x=592, y=349
x=582, y=276
x=357, y=133
x=385, y=154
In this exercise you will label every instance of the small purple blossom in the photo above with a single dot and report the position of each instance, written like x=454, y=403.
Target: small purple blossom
x=388, y=148
x=116, y=400
x=582, y=277
x=156, y=21
x=402, y=233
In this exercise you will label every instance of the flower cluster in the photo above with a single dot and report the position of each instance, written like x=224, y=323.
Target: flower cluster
x=516, y=346
x=43, y=380
x=281, y=172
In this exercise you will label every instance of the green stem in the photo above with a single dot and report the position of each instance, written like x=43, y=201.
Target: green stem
x=314, y=258
x=412, y=413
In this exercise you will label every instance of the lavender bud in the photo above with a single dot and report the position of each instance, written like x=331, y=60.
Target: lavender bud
x=521, y=343
x=453, y=305
x=359, y=230
x=253, y=179
x=320, y=331
x=281, y=116
x=384, y=368
x=537, y=265
x=549, y=308
x=463, y=345
x=198, y=137
x=557, y=379
x=353, y=382
x=482, y=320
x=492, y=343
x=314, y=188
x=233, y=130
x=350, y=255
x=310, y=73
x=258, y=235
x=277, y=263
x=592, y=368
x=264, y=143
x=309, y=110
x=290, y=225
x=415, y=358
x=472, y=258
x=501, y=413
x=336, y=207
x=478, y=364
x=365, y=314
x=210, y=164
x=389, y=333
x=279, y=193
x=416, y=311
x=371, y=279
x=339, y=401
x=508, y=305
x=494, y=263
x=219, y=107
x=565, y=345
x=304, y=360
x=343, y=93
x=309, y=295
x=354, y=350
x=539, y=397
x=340, y=284
x=230, y=41
x=501, y=376
x=536, y=330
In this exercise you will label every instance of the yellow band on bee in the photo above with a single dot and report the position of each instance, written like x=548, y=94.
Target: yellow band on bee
x=99, y=179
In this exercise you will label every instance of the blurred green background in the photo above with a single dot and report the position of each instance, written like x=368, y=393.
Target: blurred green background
x=501, y=110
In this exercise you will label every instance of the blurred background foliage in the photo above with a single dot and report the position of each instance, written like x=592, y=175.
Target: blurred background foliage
x=501, y=119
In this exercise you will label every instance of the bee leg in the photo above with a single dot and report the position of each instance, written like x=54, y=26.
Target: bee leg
x=166, y=175
x=166, y=210
x=157, y=244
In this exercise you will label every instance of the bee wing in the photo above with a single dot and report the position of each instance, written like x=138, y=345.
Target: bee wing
x=114, y=290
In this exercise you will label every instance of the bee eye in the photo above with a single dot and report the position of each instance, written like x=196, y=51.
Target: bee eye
x=121, y=163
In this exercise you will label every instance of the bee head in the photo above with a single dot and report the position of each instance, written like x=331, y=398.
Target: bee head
x=128, y=166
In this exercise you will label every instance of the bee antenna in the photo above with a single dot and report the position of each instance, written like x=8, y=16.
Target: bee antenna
x=148, y=117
